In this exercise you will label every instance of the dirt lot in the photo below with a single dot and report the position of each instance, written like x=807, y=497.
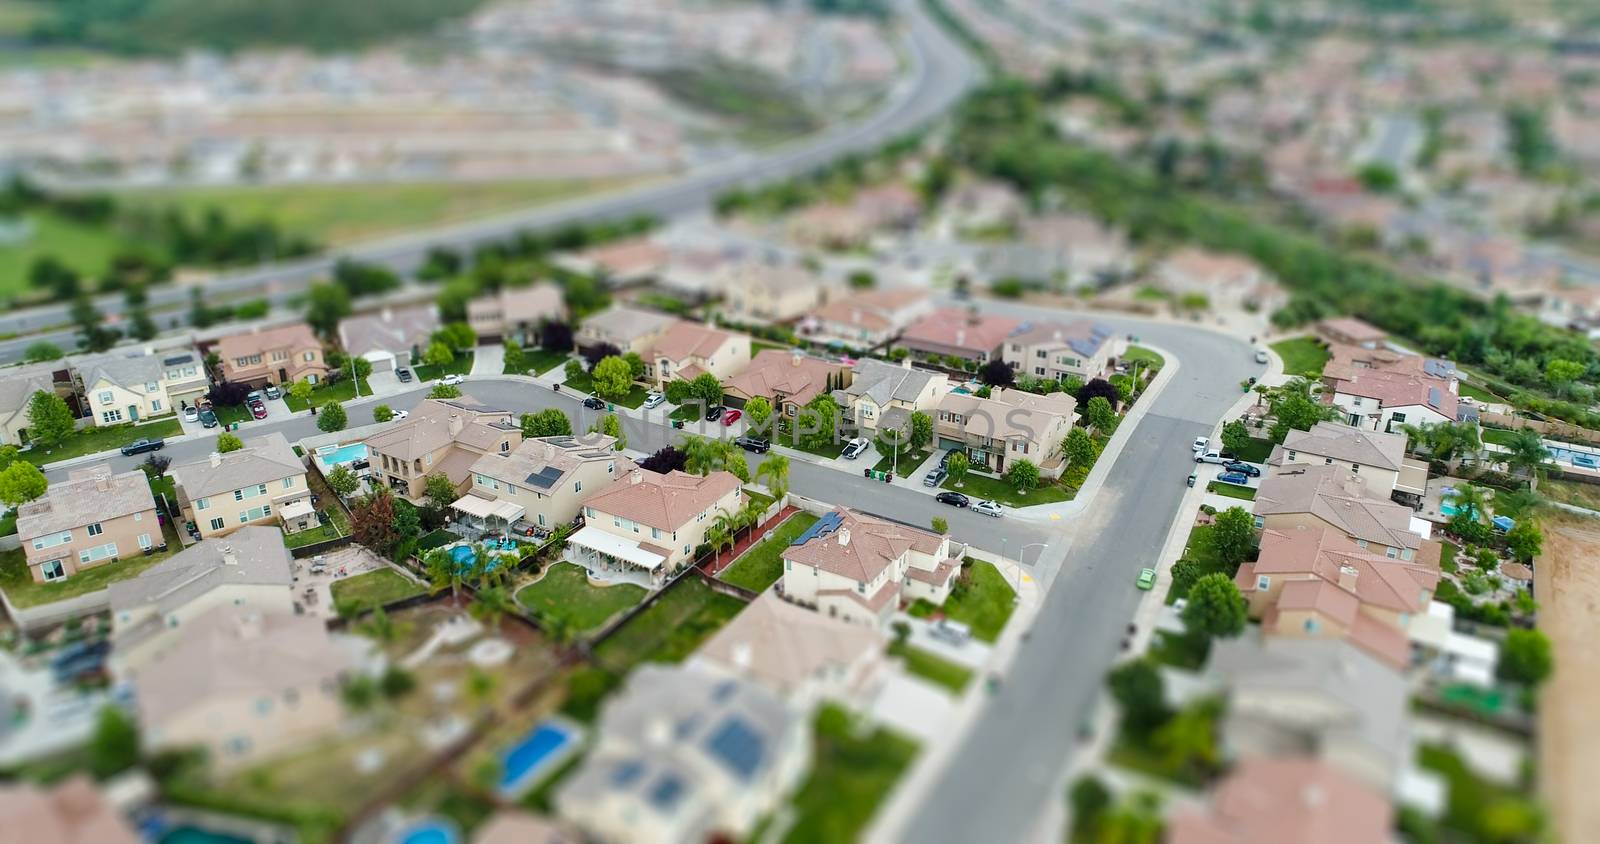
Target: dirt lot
x=1567, y=584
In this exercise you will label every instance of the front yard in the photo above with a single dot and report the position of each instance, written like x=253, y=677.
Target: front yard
x=1243, y=493
x=564, y=596
x=375, y=589
x=978, y=486
x=1302, y=356
x=981, y=599
x=1258, y=452
x=460, y=365
x=910, y=459
x=583, y=385
x=96, y=440
x=932, y=667
x=343, y=391
x=537, y=361
x=1144, y=356
x=852, y=773
x=1204, y=554
x=762, y=565
x=22, y=591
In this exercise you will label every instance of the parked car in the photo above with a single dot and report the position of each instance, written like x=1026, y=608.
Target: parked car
x=1147, y=579
x=854, y=448
x=191, y=414
x=208, y=417
x=953, y=632
x=1201, y=444
x=944, y=459
x=954, y=499
x=754, y=445
x=714, y=412
x=594, y=403
x=654, y=400
x=452, y=380
x=1242, y=468
x=935, y=476
x=1218, y=457
x=989, y=508
x=1261, y=355
x=731, y=416
x=1235, y=478
x=258, y=410
x=404, y=375
x=142, y=446
x=273, y=392
x=1192, y=477
x=399, y=415
x=255, y=397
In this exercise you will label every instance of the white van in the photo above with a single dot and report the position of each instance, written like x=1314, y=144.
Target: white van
x=953, y=632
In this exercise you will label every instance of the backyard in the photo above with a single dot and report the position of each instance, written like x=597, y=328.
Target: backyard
x=981, y=599
x=670, y=629
x=374, y=589
x=852, y=772
x=22, y=591
x=1576, y=493
x=762, y=565
x=564, y=596
x=978, y=486
x=1302, y=356
x=96, y=440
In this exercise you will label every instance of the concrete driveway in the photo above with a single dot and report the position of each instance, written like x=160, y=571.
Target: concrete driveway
x=971, y=653
x=489, y=360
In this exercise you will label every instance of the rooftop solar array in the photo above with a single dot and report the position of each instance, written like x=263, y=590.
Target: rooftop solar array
x=823, y=526
x=544, y=478
x=737, y=746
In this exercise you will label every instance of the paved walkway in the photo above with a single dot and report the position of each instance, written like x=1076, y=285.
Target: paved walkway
x=489, y=360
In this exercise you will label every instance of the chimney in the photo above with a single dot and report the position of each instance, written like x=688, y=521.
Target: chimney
x=794, y=359
x=457, y=422
x=741, y=654
x=1347, y=578
x=844, y=537
x=216, y=459
x=229, y=558
x=636, y=477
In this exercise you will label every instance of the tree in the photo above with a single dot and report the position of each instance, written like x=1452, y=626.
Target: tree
x=1090, y=799
x=438, y=489
x=382, y=413
x=921, y=430
x=50, y=421
x=550, y=422
x=438, y=353
x=1023, y=475
x=956, y=467
x=862, y=280
x=1561, y=373
x=380, y=625
x=491, y=606
x=667, y=459
x=444, y=572
x=679, y=391
x=20, y=483
x=457, y=335
x=1188, y=742
x=1079, y=448
x=227, y=442
x=515, y=362
x=1233, y=535
x=997, y=373
x=611, y=426
x=42, y=351
x=1378, y=177
x=92, y=333
x=1235, y=437
x=154, y=466
x=1099, y=387
x=1525, y=657
x=1139, y=691
x=555, y=336
x=636, y=366
x=343, y=481
x=47, y=272
x=1099, y=413
x=444, y=391
x=1215, y=607
x=301, y=391
x=612, y=378
x=1525, y=454
x=1293, y=409
x=332, y=418
x=114, y=746
x=940, y=526
x=326, y=304
x=707, y=388
x=757, y=412
x=774, y=472
x=1525, y=540
x=373, y=521
x=573, y=369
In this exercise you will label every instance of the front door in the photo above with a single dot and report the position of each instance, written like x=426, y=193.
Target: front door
x=283, y=375
x=133, y=412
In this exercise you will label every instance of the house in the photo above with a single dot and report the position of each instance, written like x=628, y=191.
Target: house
x=1008, y=425
x=1334, y=497
x=858, y=568
x=516, y=313
x=249, y=569
x=888, y=206
x=243, y=685
x=1383, y=401
x=130, y=385
x=787, y=379
x=828, y=226
x=281, y=355
x=72, y=811
x=624, y=328
x=1346, y=362
x=261, y=483
x=866, y=319
x=1081, y=349
x=518, y=826
x=1271, y=800
x=687, y=349
x=882, y=390
x=622, y=263
x=685, y=754
x=542, y=482
x=391, y=338
x=1568, y=306
x=1350, y=331
x=1321, y=699
x=804, y=656
x=761, y=293
x=444, y=436
x=183, y=376
x=18, y=386
x=93, y=518
x=1083, y=250
x=1227, y=281
x=958, y=332
x=981, y=205
x=1377, y=456
x=645, y=525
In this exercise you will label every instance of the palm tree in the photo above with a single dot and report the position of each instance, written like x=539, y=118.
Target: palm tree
x=1472, y=500
x=491, y=605
x=1525, y=454
x=1416, y=436
x=444, y=571
x=774, y=471
x=700, y=455
x=486, y=567
x=720, y=533
x=730, y=458
x=379, y=625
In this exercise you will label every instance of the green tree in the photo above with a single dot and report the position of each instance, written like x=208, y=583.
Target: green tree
x=332, y=418
x=1378, y=178
x=92, y=332
x=940, y=526
x=1023, y=475
x=438, y=489
x=1079, y=448
x=774, y=472
x=613, y=378
x=1293, y=409
x=1188, y=742
x=301, y=391
x=444, y=391
x=1137, y=687
x=610, y=425
x=1100, y=415
x=1562, y=373
x=491, y=606
x=573, y=370
x=1525, y=657
x=1235, y=437
x=20, y=483
x=1090, y=799
x=550, y=422
x=636, y=365
x=227, y=442
x=1525, y=454
x=438, y=354
x=1525, y=540
x=444, y=572
x=1233, y=535
x=50, y=421
x=343, y=481
x=515, y=362
x=457, y=335
x=1215, y=607
x=707, y=388
x=382, y=413
x=957, y=467
x=326, y=304
x=679, y=391
x=42, y=350
x=921, y=430
x=757, y=412
x=114, y=746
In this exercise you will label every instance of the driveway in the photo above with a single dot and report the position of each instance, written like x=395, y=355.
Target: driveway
x=913, y=707
x=489, y=360
x=385, y=384
x=971, y=653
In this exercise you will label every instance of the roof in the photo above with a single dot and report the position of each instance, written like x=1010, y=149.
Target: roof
x=1008, y=413
x=887, y=382
x=130, y=369
x=437, y=423
x=783, y=645
x=1268, y=800
x=543, y=464
x=519, y=304
x=626, y=324
x=1399, y=389
x=628, y=258
x=1356, y=330
x=771, y=279
x=250, y=556
x=70, y=812
x=263, y=459
x=874, y=310
x=18, y=384
x=1084, y=337
x=857, y=546
x=797, y=376
x=1348, y=444
x=516, y=826
x=1211, y=268
x=87, y=496
x=1346, y=361
x=666, y=502
x=389, y=330
x=1403, y=586
x=684, y=340
x=256, y=341
x=959, y=328
x=1339, y=497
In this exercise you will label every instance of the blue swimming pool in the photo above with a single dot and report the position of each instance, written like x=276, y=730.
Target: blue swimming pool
x=429, y=831
x=522, y=764
x=338, y=455
x=196, y=835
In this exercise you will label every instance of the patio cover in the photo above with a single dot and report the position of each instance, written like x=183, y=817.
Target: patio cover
x=485, y=508
x=296, y=510
x=615, y=546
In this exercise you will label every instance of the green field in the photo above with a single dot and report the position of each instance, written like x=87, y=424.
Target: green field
x=1302, y=356
x=374, y=589
x=1147, y=356
x=981, y=599
x=670, y=629
x=87, y=249
x=564, y=594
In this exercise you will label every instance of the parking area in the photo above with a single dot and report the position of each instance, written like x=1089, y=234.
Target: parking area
x=970, y=653
x=314, y=577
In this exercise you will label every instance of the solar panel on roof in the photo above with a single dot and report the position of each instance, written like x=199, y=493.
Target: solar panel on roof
x=737, y=746
x=823, y=526
x=544, y=478
x=177, y=360
x=627, y=773
x=666, y=792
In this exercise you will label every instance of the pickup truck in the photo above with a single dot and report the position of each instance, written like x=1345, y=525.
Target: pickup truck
x=1218, y=457
x=142, y=446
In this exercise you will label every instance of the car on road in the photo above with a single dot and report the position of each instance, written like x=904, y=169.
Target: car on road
x=594, y=403
x=754, y=445
x=731, y=416
x=935, y=476
x=1242, y=468
x=191, y=414
x=399, y=415
x=1261, y=355
x=989, y=508
x=452, y=380
x=1193, y=476
x=1147, y=579
x=1220, y=458
x=1235, y=478
x=1201, y=444
x=954, y=499
x=142, y=446
x=208, y=417
x=854, y=448
x=273, y=392
x=404, y=375
x=258, y=410
x=654, y=400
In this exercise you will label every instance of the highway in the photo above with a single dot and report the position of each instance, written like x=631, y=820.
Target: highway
x=940, y=72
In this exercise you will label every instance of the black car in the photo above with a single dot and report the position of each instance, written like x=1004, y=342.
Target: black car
x=944, y=459
x=208, y=417
x=753, y=444
x=142, y=446
x=404, y=375
x=954, y=499
x=594, y=403
x=714, y=413
x=1242, y=468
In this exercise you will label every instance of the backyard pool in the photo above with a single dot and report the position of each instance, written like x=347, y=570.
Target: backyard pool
x=524, y=763
x=196, y=835
x=429, y=831
x=336, y=455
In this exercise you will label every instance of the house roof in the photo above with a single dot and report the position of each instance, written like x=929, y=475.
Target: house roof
x=857, y=546
x=1335, y=495
x=1009, y=413
x=1400, y=585
x=626, y=324
x=771, y=279
x=1355, y=330
x=87, y=496
x=663, y=501
x=1084, y=337
x=519, y=304
x=393, y=330
x=130, y=369
x=542, y=465
x=1346, y=361
x=958, y=328
x=18, y=384
x=874, y=310
x=628, y=258
x=70, y=812
x=263, y=459
x=1399, y=389
x=799, y=377
x=437, y=423
x=1210, y=269
x=1348, y=444
x=252, y=556
x=295, y=336
x=783, y=645
x=684, y=340
x=1271, y=800
x=887, y=382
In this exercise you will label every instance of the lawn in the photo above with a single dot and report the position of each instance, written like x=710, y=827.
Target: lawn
x=229, y=414
x=87, y=249
x=22, y=591
x=1243, y=493
x=321, y=533
x=909, y=461
x=539, y=361
x=436, y=539
x=1447, y=556
x=1199, y=549
x=829, y=449
x=1258, y=452
x=584, y=385
x=1179, y=650
x=96, y=440
x=1302, y=356
x=761, y=566
x=759, y=346
x=670, y=629
x=565, y=596
x=1146, y=356
x=852, y=772
x=981, y=599
x=1477, y=393
x=1479, y=809
x=979, y=486
x=932, y=667
x=1498, y=436
x=461, y=364
x=375, y=589
x=343, y=391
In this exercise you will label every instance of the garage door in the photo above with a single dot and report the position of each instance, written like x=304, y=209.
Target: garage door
x=381, y=362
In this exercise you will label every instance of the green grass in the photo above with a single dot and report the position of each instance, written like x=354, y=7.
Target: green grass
x=909, y=461
x=22, y=591
x=852, y=772
x=229, y=414
x=1147, y=356
x=1302, y=356
x=343, y=391
x=321, y=533
x=87, y=249
x=564, y=594
x=1498, y=436
x=1576, y=493
x=670, y=629
x=979, y=486
x=1447, y=556
x=539, y=361
x=1481, y=394
x=8, y=523
x=375, y=589
x=96, y=440
x=461, y=364
x=1258, y=452
x=1243, y=493
x=932, y=667
x=436, y=539
x=584, y=385
x=1180, y=651
x=762, y=565
x=759, y=346
x=1478, y=806
x=1201, y=550
x=981, y=599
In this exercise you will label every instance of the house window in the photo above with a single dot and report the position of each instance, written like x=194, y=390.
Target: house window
x=53, y=570
x=1355, y=467
x=1361, y=543
x=144, y=541
x=1391, y=553
x=106, y=397
x=155, y=405
x=310, y=356
x=42, y=542
x=1407, y=553
x=1038, y=370
x=151, y=387
x=505, y=446
x=202, y=503
x=1263, y=583
x=1261, y=522
x=89, y=555
x=217, y=523
x=1041, y=354
x=138, y=517
x=110, y=416
x=280, y=356
x=577, y=486
x=311, y=378
x=1291, y=455
x=96, y=529
x=1399, y=417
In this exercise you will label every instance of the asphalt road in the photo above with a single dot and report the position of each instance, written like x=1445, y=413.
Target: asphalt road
x=941, y=72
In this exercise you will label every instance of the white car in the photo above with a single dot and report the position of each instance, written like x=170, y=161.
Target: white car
x=191, y=414
x=654, y=400
x=1201, y=444
x=452, y=380
x=399, y=415
x=989, y=508
x=1261, y=355
x=854, y=448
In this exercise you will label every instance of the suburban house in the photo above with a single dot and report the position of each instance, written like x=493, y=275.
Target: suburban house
x=1346, y=362
x=262, y=483
x=281, y=355
x=1336, y=498
x=621, y=263
x=1081, y=349
x=858, y=568
x=1074, y=249
x=1227, y=281
x=130, y=385
x=1377, y=456
x=1383, y=401
x=73, y=811
x=788, y=379
x=960, y=333
x=1272, y=800
x=243, y=685
x=391, y=338
x=1349, y=331
x=868, y=318
x=93, y=518
x=18, y=385
x=804, y=656
x=890, y=392
x=1008, y=425
x=441, y=436
x=687, y=349
x=827, y=225
x=183, y=376
x=982, y=205
x=686, y=754
x=625, y=328
x=250, y=569
x=515, y=313
x=542, y=482
x=893, y=205
x=645, y=525
x=771, y=293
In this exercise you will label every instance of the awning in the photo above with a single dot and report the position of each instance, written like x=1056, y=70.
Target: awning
x=1413, y=477
x=615, y=546
x=296, y=510
x=485, y=508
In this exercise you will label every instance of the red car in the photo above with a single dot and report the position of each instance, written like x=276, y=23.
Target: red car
x=258, y=410
x=731, y=417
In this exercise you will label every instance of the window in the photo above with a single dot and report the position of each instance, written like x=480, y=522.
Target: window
x=138, y=517
x=101, y=552
x=144, y=541
x=106, y=397
x=255, y=513
x=202, y=503
x=42, y=542
x=1361, y=543
x=288, y=483
x=1038, y=370
x=217, y=523
x=1355, y=467
x=280, y=356
x=151, y=387
x=96, y=529
x=541, y=520
x=53, y=570
x=1263, y=583
x=1261, y=522
x=310, y=356
x=1041, y=354
x=110, y=416
x=1399, y=417
x=1407, y=553
x=311, y=378
x=611, y=468
x=577, y=486
x=1391, y=553
x=505, y=446
x=1291, y=455
x=155, y=405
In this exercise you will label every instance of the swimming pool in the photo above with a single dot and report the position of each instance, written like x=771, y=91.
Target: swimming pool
x=429, y=831
x=335, y=455
x=523, y=763
x=195, y=835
